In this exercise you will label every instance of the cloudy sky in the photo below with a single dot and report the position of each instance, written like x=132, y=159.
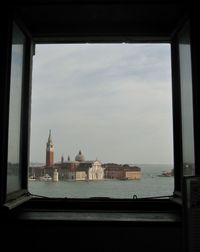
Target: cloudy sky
x=111, y=101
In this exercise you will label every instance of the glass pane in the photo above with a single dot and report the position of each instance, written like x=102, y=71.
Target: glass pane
x=109, y=108
x=16, y=79
x=186, y=102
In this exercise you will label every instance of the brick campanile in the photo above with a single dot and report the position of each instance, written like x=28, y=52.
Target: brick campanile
x=49, y=151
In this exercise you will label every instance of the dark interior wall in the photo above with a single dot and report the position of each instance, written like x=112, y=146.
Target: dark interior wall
x=82, y=228
x=93, y=236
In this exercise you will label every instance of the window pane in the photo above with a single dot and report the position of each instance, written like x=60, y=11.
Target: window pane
x=186, y=102
x=16, y=79
x=109, y=108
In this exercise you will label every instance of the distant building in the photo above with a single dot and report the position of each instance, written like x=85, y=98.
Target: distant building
x=80, y=168
x=96, y=171
x=123, y=172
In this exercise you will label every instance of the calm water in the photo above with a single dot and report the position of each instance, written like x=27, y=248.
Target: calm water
x=150, y=185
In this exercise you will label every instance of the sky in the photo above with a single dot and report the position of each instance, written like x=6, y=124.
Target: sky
x=111, y=101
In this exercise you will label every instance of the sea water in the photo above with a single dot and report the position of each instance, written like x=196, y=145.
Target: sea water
x=150, y=185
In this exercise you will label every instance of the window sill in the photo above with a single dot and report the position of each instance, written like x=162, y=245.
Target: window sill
x=101, y=211
x=84, y=216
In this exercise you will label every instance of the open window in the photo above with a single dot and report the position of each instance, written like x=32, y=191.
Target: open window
x=95, y=23
x=184, y=144
x=15, y=185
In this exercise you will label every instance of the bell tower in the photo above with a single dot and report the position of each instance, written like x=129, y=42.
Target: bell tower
x=49, y=151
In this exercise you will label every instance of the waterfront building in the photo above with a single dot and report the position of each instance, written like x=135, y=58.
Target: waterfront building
x=81, y=169
x=96, y=171
x=124, y=172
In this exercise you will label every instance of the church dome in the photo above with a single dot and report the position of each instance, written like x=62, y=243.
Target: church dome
x=79, y=157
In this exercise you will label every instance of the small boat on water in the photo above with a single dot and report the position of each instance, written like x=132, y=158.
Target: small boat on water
x=31, y=178
x=46, y=177
x=166, y=174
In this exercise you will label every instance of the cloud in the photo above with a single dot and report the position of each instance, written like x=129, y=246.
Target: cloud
x=113, y=100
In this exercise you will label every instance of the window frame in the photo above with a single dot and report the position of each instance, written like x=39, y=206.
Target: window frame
x=180, y=177
x=13, y=199
x=48, y=37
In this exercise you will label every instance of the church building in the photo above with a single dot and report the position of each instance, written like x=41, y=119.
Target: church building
x=79, y=169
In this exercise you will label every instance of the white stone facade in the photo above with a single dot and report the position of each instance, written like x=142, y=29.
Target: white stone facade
x=96, y=172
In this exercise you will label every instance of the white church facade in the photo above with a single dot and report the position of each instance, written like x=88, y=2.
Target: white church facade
x=96, y=171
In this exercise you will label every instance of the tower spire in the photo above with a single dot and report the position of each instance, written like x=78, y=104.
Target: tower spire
x=62, y=159
x=49, y=151
x=49, y=138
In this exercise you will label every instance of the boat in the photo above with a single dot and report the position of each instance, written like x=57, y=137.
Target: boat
x=166, y=174
x=32, y=178
x=46, y=177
